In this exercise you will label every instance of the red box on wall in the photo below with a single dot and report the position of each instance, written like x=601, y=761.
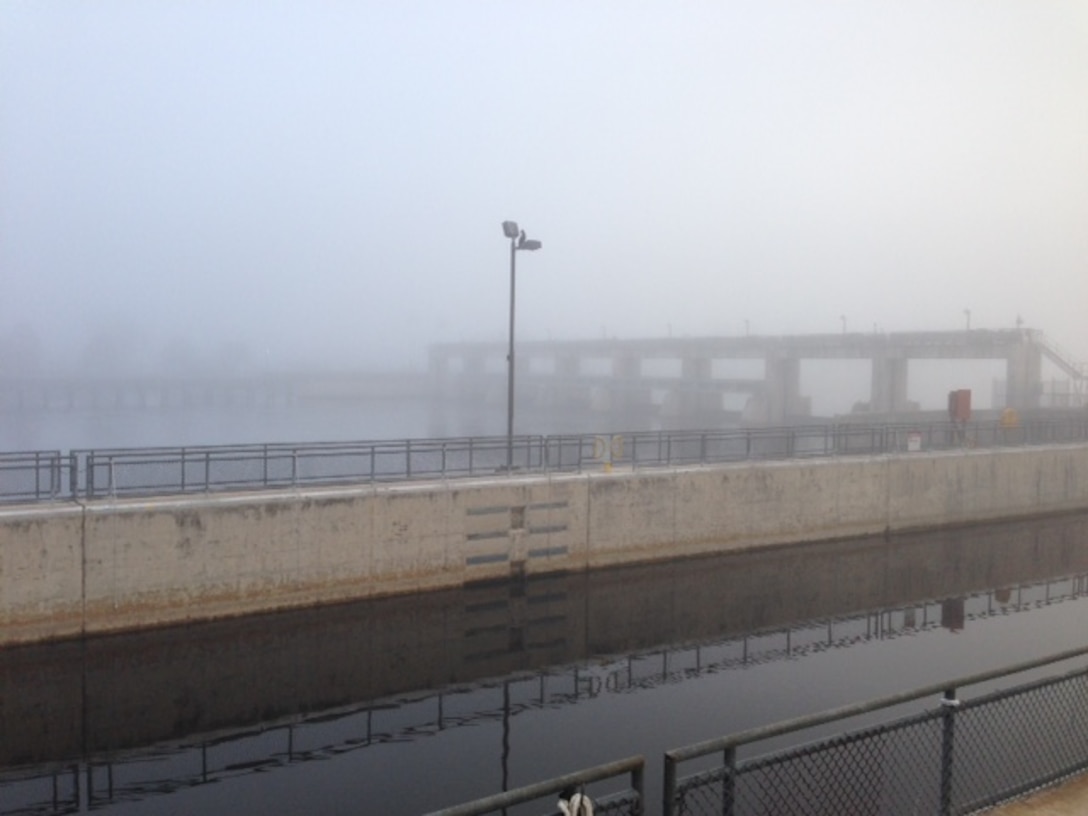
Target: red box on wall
x=959, y=405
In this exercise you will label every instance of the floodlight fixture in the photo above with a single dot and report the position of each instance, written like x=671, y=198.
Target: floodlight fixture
x=510, y=229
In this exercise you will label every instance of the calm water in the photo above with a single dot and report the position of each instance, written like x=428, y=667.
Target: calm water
x=130, y=428
x=310, y=421
x=407, y=704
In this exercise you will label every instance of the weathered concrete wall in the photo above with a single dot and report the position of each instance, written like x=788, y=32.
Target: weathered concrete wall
x=66, y=570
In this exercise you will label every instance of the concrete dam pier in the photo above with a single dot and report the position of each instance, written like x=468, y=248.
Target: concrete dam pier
x=71, y=569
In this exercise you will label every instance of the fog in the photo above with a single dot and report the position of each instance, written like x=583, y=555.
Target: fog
x=249, y=185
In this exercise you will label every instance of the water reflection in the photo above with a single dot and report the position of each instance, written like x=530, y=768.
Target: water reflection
x=485, y=687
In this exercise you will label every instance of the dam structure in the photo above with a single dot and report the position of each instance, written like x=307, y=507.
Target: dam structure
x=675, y=378
x=692, y=382
x=103, y=540
x=84, y=565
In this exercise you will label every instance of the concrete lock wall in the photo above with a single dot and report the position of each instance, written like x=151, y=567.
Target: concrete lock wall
x=66, y=570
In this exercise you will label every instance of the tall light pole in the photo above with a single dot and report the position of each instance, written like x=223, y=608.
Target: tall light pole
x=518, y=241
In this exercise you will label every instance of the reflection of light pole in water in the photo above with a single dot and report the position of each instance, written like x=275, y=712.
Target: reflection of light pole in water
x=517, y=241
x=505, y=736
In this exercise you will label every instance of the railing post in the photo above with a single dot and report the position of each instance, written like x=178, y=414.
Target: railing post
x=112, y=488
x=294, y=467
x=668, y=804
x=408, y=458
x=729, y=781
x=73, y=474
x=90, y=475
x=183, y=470
x=638, y=785
x=949, y=704
x=207, y=471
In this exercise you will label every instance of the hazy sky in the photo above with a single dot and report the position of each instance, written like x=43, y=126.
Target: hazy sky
x=328, y=179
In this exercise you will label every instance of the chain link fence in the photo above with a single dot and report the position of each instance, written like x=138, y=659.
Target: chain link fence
x=95, y=473
x=957, y=757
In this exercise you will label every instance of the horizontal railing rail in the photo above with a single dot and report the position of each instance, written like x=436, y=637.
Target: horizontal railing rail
x=629, y=801
x=37, y=476
x=955, y=758
x=31, y=476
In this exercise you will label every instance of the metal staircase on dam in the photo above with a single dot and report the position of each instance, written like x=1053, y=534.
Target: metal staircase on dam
x=1075, y=370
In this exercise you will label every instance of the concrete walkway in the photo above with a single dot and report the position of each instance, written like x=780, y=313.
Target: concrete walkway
x=1067, y=799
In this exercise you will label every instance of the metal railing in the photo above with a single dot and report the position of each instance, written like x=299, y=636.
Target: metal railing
x=118, y=472
x=31, y=476
x=958, y=757
x=629, y=801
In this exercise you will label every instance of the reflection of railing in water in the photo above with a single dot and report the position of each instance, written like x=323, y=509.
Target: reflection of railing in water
x=166, y=769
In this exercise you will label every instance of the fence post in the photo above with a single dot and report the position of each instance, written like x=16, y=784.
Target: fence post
x=408, y=458
x=729, y=781
x=638, y=784
x=73, y=474
x=183, y=470
x=207, y=470
x=949, y=703
x=669, y=787
x=112, y=487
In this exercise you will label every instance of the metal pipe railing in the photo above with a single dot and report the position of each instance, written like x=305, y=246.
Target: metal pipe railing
x=632, y=766
x=36, y=476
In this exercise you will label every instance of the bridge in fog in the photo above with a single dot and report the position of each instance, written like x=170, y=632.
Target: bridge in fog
x=677, y=380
